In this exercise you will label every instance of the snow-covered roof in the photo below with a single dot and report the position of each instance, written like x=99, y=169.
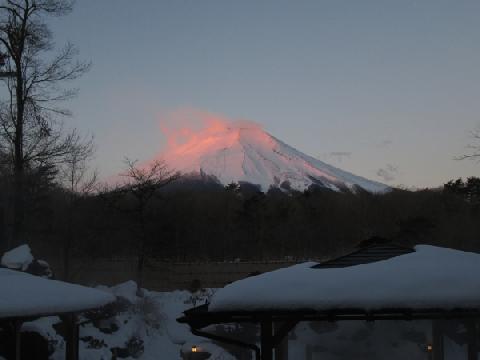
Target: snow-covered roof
x=429, y=278
x=24, y=295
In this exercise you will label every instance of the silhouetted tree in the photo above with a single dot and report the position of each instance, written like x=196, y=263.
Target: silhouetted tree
x=469, y=190
x=474, y=147
x=30, y=125
x=78, y=182
x=141, y=186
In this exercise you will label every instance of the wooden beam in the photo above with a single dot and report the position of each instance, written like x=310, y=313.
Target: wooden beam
x=266, y=339
x=437, y=340
x=204, y=318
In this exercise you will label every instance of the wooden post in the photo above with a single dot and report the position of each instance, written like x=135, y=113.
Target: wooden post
x=76, y=342
x=266, y=339
x=437, y=340
x=18, y=339
x=472, y=340
x=71, y=348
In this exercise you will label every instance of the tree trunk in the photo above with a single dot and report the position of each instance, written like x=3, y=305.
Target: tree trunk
x=141, y=247
x=68, y=242
x=19, y=165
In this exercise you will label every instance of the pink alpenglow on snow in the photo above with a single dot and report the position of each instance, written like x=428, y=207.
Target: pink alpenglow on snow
x=242, y=151
x=431, y=277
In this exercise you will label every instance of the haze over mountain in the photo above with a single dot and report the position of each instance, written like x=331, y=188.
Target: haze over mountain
x=243, y=152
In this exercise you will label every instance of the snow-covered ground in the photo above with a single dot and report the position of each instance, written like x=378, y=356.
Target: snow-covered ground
x=141, y=327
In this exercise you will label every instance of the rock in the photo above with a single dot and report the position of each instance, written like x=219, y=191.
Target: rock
x=18, y=258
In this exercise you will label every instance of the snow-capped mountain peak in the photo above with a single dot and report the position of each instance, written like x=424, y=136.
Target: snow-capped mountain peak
x=244, y=152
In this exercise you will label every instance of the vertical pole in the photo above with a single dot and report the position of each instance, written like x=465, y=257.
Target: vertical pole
x=76, y=337
x=71, y=348
x=281, y=350
x=68, y=337
x=472, y=340
x=437, y=340
x=266, y=339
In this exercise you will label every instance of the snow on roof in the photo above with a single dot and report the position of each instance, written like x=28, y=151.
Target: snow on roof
x=18, y=258
x=126, y=290
x=429, y=278
x=23, y=294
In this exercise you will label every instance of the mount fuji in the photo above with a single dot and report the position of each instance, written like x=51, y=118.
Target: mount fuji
x=245, y=153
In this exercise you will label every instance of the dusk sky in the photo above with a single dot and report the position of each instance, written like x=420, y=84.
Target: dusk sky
x=385, y=89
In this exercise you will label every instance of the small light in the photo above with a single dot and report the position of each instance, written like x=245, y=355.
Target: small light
x=194, y=348
x=429, y=348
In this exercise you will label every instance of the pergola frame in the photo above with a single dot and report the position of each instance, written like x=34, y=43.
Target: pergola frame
x=71, y=333
x=276, y=324
x=67, y=302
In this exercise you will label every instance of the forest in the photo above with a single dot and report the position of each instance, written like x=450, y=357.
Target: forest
x=181, y=218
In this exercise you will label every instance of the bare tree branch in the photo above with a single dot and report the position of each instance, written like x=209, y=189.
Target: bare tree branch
x=473, y=149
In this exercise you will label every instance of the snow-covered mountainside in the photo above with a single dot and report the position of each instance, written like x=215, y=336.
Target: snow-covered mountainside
x=246, y=153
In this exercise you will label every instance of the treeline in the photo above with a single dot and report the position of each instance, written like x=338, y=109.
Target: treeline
x=196, y=223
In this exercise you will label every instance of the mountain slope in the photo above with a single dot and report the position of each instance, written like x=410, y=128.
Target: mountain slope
x=246, y=153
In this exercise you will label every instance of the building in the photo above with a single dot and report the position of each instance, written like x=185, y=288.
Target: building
x=24, y=297
x=379, y=281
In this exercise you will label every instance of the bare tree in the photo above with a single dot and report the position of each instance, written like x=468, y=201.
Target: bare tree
x=31, y=120
x=74, y=171
x=141, y=185
x=474, y=148
x=79, y=182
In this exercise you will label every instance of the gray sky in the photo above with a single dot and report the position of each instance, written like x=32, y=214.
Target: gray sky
x=385, y=89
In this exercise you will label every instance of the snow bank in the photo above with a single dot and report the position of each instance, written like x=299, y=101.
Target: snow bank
x=19, y=258
x=430, y=277
x=151, y=322
x=126, y=290
x=42, y=326
x=23, y=294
